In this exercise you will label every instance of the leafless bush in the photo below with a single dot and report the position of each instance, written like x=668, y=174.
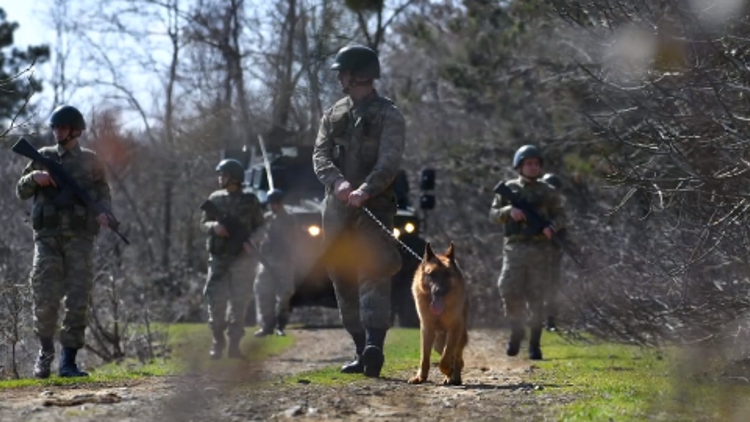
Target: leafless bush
x=674, y=133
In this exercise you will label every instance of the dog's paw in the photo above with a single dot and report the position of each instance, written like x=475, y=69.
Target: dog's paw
x=451, y=381
x=417, y=379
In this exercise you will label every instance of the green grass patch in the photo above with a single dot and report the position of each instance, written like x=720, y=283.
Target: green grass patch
x=187, y=348
x=401, y=355
x=627, y=383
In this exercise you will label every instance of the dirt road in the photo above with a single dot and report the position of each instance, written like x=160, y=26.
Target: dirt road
x=494, y=390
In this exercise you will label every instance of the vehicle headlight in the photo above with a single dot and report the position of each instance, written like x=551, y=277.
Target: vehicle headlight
x=396, y=233
x=313, y=230
x=409, y=227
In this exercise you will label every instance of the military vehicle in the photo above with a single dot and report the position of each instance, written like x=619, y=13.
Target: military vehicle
x=292, y=172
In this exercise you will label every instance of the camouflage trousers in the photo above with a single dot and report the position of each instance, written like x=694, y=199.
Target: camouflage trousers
x=524, y=280
x=553, y=288
x=361, y=261
x=274, y=288
x=62, y=268
x=228, y=291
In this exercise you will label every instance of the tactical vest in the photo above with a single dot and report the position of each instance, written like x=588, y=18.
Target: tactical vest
x=514, y=230
x=70, y=216
x=355, y=134
x=216, y=245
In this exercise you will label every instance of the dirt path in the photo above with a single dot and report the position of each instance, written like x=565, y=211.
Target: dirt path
x=494, y=389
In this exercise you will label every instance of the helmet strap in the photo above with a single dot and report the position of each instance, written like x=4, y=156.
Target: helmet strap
x=72, y=134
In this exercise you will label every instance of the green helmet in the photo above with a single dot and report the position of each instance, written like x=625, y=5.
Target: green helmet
x=233, y=168
x=361, y=60
x=553, y=180
x=527, y=151
x=67, y=116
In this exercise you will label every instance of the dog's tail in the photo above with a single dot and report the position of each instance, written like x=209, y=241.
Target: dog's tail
x=440, y=339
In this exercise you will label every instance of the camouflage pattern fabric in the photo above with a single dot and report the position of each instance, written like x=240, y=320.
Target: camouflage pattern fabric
x=524, y=280
x=62, y=268
x=229, y=282
x=74, y=218
x=555, y=268
x=64, y=243
x=525, y=277
x=242, y=205
x=228, y=291
x=273, y=290
x=274, y=287
x=364, y=144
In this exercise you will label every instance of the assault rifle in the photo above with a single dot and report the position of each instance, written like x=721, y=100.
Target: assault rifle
x=238, y=235
x=535, y=223
x=69, y=188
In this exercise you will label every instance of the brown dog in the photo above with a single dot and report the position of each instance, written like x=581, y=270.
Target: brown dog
x=439, y=291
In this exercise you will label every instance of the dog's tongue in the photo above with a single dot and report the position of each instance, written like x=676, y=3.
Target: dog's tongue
x=437, y=306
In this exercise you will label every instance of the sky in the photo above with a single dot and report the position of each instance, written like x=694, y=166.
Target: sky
x=31, y=31
x=35, y=28
x=34, y=19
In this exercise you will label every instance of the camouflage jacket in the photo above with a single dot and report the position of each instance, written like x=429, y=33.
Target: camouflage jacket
x=72, y=218
x=244, y=206
x=542, y=196
x=362, y=143
x=282, y=233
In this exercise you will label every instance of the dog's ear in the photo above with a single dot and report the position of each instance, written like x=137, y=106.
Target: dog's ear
x=429, y=255
x=449, y=253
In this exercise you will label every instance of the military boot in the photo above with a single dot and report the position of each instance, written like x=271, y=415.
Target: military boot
x=43, y=365
x=68, y=367
x=356, y=366
x=516, y=337
x=234, y=351
x=262, y=332
x=372, y=356
x=535, y=349
x=217, y=344
x=280, y=325
x=550, y=324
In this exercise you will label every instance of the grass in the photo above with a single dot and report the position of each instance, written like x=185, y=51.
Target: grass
x=188, y=345
x=627, y=383
x=401, y=350
x=600, y=382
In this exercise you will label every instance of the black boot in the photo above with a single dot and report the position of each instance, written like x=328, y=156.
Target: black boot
x=372, y=356
x=43, y=365
x=234, y=348
x=217, y=344
x=535, y=349
x=68, y=367
x=280, y=325
x=263, y=332
x=551, y=326
x=356, y=366
x=516, y=337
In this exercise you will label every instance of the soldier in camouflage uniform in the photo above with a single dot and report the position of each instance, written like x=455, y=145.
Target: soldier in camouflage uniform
x=556, y=253
x=274, y=286
x=526, y=259
x=357, y=156
x=64, y=236
x=229, y=280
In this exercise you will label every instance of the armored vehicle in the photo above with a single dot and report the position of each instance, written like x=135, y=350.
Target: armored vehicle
x=292, y=172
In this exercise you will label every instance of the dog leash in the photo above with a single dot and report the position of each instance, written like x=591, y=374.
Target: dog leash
x=391, y=235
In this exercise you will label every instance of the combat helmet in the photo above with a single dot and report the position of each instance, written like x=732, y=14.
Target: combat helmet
x=233, y=168
x=553, y=180
x=361, y=60
x=275, y=196
x=525, y=152
x=69, y=116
